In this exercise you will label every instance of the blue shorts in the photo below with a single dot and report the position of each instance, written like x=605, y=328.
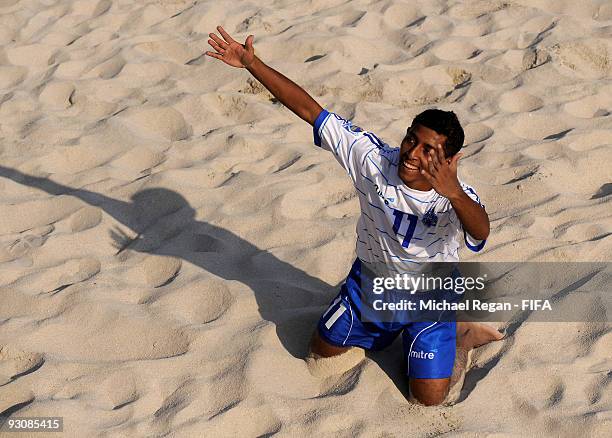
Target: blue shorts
x=429, y=346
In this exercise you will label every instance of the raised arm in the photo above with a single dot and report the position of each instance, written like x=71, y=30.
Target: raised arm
x=284, y=89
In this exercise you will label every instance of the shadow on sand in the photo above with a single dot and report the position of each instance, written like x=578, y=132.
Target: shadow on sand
x=165, y=225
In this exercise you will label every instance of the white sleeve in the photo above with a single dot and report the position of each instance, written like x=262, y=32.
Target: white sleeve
x=473, y=244
x=347, y=142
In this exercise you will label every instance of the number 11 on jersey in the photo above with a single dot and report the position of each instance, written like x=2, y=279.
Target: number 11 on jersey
x=398, y=223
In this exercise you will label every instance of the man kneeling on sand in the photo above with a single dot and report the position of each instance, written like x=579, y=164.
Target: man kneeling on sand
x=414, y=210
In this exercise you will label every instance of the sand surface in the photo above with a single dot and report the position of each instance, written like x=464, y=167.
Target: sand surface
x=169, y=236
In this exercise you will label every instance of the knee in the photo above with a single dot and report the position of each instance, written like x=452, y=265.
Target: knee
x=429, y=393
x=427, y=399
x=324, y=349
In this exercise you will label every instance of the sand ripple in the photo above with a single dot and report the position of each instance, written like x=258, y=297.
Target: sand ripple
x=169, y=235
x=163, y=122
x=516, y=101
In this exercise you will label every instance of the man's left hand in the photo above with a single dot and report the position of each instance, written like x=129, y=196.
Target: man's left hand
x=441, y=172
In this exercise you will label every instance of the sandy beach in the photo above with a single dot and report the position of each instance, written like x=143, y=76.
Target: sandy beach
x=169, y=234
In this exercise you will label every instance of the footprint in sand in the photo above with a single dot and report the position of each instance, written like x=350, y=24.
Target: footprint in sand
x=22, y=246
x=33, y=55
x=519, y=101
x=75, y=159
x=581, y=232
x=108, y=390
x=587, y=108
x=544, y=391
x=61, y=38
x=115, y=391
x=71, y=69
x=18, y=217
x=604, y=13
x=174, y=402
x=57, y=278
x=436, y=24
x=11, y=75
x=400, y=15
x=139, y=158
x=6, y=34
x=57, y=95
x=76, y=271
x=103, y=331
x=475, y=132
x=112, y=91
x=40, y=22
x=473, y=28
x=514, y=61
x=107, y=69
x=603, y=191
x=199, y=302
x=455, y=50
x=174, y=50
x=161, y=122
x=589, y=58
x=307, y=201
x=205, y=243
x=147, y=74
x=15, y=363
x=536, y=126
x=13, y=398
x=157, y=271
x=591, y=140
x=91, y=9
x=85, y=218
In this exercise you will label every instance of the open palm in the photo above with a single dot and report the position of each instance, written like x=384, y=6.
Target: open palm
x=230, y=51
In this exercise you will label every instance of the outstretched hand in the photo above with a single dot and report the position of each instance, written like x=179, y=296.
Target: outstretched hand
x=441, y=172
x=230, y=51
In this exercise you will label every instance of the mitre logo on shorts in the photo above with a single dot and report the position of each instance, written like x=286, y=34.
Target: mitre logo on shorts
x=422, y=355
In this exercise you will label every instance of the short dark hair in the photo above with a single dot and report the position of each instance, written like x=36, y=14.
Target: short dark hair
x=445, y=123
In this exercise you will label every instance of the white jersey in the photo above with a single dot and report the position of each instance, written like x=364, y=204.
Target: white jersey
x=399, y=227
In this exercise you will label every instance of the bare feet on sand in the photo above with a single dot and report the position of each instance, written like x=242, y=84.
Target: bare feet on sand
x=470, y=335
x=474, y=334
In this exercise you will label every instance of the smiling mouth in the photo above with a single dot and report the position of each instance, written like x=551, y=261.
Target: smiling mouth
x=411, y=166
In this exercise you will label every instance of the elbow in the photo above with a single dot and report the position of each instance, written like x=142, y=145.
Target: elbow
x=484, y=233
x=479, y=236
x=481, y=232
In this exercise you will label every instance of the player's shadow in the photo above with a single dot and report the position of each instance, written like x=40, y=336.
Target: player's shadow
x=164, y=224
x=392, y=362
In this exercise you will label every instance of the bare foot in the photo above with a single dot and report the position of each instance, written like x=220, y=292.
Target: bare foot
x=475, y=334
x=463, y=360
x=470, y=335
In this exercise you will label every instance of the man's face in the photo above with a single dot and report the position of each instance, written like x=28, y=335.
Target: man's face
x=414, y=152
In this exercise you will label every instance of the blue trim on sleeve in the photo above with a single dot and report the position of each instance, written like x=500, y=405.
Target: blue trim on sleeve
x=472, y=247
x=318, y=124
